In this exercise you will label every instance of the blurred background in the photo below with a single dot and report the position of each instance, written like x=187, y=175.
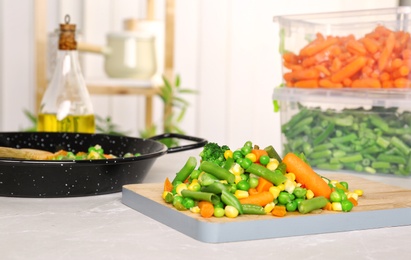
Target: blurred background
x=225, y=50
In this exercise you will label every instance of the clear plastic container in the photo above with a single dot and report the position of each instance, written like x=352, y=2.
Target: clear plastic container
x=347, y=130
x=299, y=31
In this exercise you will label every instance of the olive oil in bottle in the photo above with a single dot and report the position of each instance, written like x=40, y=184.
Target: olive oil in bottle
x=66, y=105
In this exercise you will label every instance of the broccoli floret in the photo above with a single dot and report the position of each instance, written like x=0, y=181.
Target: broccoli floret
x=213, y=152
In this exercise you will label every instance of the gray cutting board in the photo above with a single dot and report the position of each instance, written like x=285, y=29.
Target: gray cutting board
x=381, y=206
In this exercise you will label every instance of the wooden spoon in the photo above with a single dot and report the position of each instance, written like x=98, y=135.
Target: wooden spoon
x=25, y=153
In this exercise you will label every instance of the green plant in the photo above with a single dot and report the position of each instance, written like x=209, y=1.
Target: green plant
x=175, y=107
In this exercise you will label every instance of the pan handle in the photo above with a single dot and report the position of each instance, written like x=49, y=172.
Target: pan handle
x=199, y=142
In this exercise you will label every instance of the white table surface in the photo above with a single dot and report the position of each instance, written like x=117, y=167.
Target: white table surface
x=101, y=227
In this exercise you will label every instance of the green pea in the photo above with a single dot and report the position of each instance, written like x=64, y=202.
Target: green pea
x=253, y=182
x=243, y=185
x=194, y=174
x=245, y=150
x=237, y=154
x=284, y=198
x=335, y=196
x=248, y=144
x=344, y=184
x=244, y=176
x=246, y=163
x=264, y=159
x=220, y=204
x=346, y=205
x=188, y=203
x=291, y=206
x=219, y=212
x=300, y=192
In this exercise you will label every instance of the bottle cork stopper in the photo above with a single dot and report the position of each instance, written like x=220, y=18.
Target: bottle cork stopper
x=67, y=39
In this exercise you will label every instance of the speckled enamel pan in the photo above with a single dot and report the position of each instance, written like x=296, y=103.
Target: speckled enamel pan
x=48, y=179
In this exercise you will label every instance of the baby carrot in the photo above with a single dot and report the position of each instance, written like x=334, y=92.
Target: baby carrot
x=366, y=83
x=402, y=83
x=370, y=45
x=322, y=69
x=309, y=83
x=386, y=52
x=305, y=175
x=317, y=46
x=279, y=211
x=356, y=48
x=252, y=191
x=258, y=153
x=304, y=74
x=263, y=185
x=206, y=209
x=349, y=69
x=290, y=57
x=261, y=198
x=326, y=83
x=353, y=201
x=167, y=185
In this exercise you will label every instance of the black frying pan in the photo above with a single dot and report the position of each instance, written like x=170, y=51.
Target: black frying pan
x=47, y=178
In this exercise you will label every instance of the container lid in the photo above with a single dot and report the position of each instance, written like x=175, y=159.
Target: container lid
x=382, y=98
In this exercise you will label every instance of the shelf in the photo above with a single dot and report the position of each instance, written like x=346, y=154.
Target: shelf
x=109, y=86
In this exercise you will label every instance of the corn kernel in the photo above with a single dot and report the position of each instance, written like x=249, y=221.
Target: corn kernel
x=164, y=194
x=352, y=195
x=237, y=179
x=336, y=206
x=236, y=169
x=228, y=154
x=241, y=194
x=309, y=194
x=195, y=209
x=275, y=191
x=289, y=186
x=290, y=176
x=230, y=211
x=251, y=156
x=269, y=207
x=180, y=187
x=194, y=186
x=272, y=165
x=281, y=186
x=334, y=182
x=359, y=192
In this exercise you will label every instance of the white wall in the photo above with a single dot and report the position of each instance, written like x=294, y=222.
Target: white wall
x=226, y=49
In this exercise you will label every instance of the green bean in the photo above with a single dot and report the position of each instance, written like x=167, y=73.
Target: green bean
x=306, y=206
x=185, y=172
x=380, y=165
x=199, y=195
x=321, y=147
x=330, y=166
x=321, y=154
x=400, y=145
x=217, y=171
x=344, y=139
x=272, y=153
x=216, y=188
x=351, y=158
x=391, y=158
x=231, y=200
x=206, y=179
x=275, y=177
x=253, y=209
